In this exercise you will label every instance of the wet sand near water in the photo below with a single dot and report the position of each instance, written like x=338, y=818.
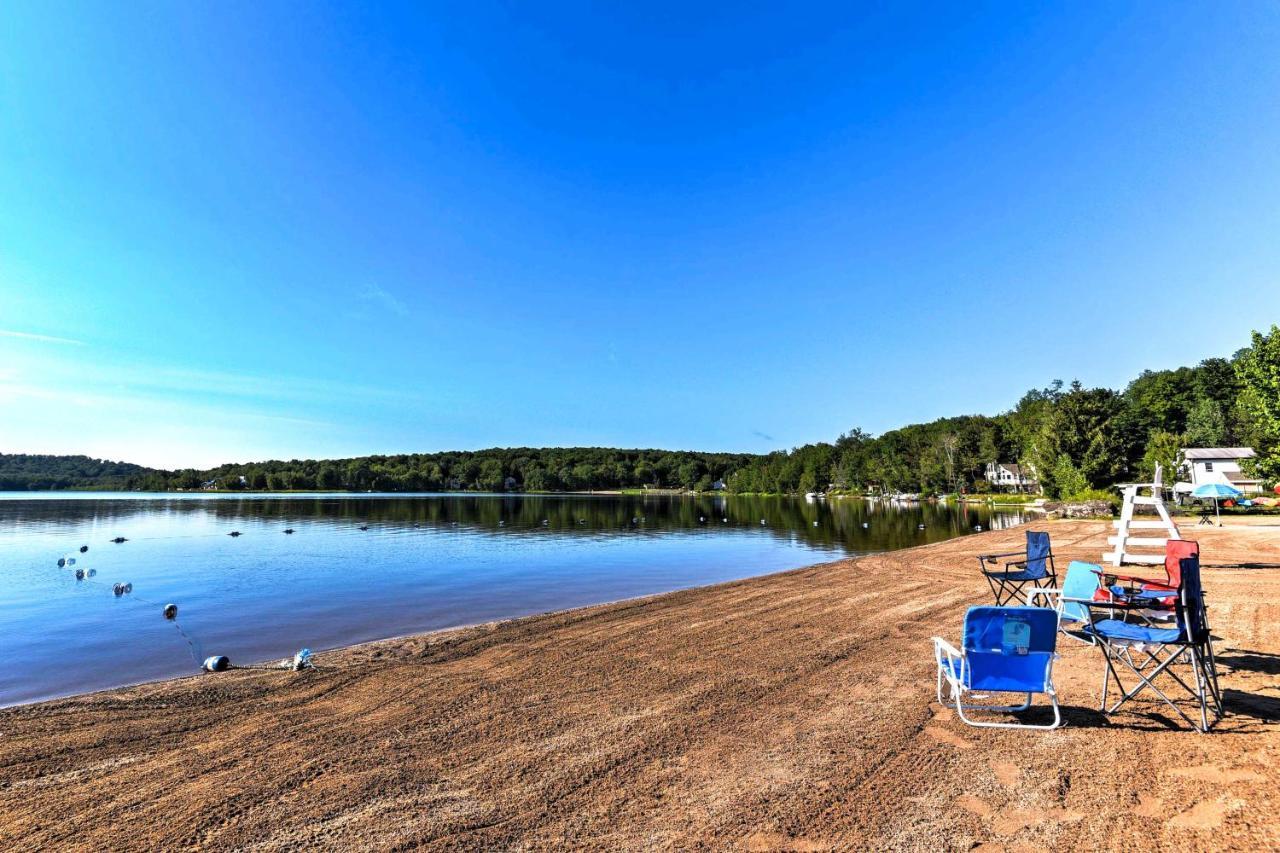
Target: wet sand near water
x=787, y=712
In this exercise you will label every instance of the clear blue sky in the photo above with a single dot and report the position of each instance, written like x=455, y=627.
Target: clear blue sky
x=233, y=231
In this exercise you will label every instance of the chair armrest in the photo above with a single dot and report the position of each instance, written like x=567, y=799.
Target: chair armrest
x=1108, y=605
x=991, y=558
x=942, y=648
x=1054, y=595
x=946, y=654
x=1103, y=573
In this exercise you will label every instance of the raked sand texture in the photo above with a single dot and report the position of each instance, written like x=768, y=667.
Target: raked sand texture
x=789, y=712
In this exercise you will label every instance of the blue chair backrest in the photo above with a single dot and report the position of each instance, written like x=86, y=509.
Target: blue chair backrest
x=1082, y=581
x=1010, y=648
x=1037, y=553
x=1192, y=594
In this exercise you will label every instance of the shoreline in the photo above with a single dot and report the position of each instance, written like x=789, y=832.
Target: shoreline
x=785, y=711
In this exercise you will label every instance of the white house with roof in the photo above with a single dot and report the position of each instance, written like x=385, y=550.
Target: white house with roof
x=1202, y=465
x=1011, y=477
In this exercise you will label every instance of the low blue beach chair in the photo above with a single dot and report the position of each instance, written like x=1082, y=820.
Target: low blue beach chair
x=1078, y=586
x=1004, y=650
x=1147, y=652
x=1034, y=567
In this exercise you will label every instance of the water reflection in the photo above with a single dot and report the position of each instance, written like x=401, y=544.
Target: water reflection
x=420, y=563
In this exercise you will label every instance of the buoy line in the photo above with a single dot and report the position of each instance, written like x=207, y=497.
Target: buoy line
x=216, y=663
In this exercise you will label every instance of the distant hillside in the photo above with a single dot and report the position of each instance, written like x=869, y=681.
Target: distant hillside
x=513, y=469
x=35, y=472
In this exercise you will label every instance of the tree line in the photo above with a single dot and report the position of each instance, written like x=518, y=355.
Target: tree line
x=496, y=470
x=1074, y=438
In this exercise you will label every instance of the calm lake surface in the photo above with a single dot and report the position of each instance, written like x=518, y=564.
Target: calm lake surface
x=425, y=562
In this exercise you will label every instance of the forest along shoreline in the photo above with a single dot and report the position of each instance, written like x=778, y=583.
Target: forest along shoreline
x=789, y=710
x=1078, y=441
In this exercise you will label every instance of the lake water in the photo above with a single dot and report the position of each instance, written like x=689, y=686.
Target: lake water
x=425, y=562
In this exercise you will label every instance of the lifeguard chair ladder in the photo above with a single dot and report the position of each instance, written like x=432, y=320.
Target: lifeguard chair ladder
x=1123, y=542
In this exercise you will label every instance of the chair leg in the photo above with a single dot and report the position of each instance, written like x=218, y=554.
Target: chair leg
x=1146, y=681
x=1202, y=690
x=1057, y=716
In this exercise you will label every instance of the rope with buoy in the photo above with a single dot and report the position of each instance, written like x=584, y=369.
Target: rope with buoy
x=302, y=660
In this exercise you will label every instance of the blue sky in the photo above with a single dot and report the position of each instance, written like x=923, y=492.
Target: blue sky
x=239, y=231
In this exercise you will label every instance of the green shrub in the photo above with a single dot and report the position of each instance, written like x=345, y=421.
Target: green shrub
x=1083, y=495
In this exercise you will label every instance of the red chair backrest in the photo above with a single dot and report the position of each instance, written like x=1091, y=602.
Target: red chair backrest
x=1175, y=551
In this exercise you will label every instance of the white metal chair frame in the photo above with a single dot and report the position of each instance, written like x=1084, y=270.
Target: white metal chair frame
x=945, y=654
x=1057, y=602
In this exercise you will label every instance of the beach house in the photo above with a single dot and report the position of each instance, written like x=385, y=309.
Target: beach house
x=1010, y=477
x=1203, y=465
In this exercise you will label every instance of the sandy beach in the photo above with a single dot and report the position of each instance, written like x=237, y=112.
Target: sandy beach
x=787, y=712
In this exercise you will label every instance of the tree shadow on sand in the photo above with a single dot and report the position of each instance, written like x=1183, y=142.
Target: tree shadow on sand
x=1247, y=660
x=1144, y=715
x=1264, y=708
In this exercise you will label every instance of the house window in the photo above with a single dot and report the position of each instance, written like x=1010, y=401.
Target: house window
x=1208, y=466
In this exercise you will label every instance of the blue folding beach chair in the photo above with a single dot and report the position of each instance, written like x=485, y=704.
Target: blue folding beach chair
x=1147, y=652
x=1004, y=650
x=1033, y=567
x=1078, y=586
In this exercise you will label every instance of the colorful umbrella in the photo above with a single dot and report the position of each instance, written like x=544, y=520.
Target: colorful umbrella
x=1217, y=491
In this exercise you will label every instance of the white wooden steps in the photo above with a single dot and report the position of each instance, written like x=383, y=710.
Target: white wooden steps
x=1124, y=543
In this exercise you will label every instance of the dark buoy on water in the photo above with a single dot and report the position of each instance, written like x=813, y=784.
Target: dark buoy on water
x=234, y=533
x=119, y=539
x=216, y=663
x=171, y=611
x=364, y=527
x=288, y=530
x=84, y=548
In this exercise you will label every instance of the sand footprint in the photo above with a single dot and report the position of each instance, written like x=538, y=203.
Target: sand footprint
x=1206, y=814
x=1007, y=773
x=1214, y=773
x=943, y=736
x=1148, y=806
x=973, y=805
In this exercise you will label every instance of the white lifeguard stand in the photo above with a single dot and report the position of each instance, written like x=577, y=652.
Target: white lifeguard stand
x=1124, y=543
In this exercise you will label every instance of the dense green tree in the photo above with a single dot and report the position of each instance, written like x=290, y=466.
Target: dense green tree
x=1163, y=448
x=1206, y=425
x=1258, y=369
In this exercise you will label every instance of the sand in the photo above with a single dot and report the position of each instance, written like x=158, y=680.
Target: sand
x=788, y=712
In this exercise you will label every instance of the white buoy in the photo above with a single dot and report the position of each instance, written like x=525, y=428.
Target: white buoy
x=216, y=663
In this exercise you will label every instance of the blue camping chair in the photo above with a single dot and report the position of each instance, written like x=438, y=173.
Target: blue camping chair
x=1034, y=567
x=1147, y=651
x=1079, y=586
x=1004, y=650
